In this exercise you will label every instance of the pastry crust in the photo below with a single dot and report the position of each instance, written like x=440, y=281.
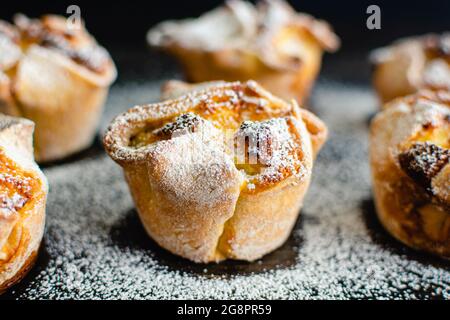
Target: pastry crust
x=59, y=79
x=193, y=195
x=411, y=64
x=410, y=161
x=23, y=197
x=270, y=43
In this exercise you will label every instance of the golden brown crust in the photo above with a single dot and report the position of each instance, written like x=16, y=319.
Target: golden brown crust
x=409, y=152
x=51, y=31
x=318, y=131
x=22, y=216
x=270, y=43
x=411, y=64
x=192, y=197
x=67, y=102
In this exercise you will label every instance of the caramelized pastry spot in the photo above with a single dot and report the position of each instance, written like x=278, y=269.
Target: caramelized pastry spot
x=267, y=149
x=183, y=124
x=428, y=125
x=423, y=161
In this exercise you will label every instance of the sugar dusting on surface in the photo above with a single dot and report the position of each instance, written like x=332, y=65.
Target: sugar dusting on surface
x=96, y=248
x=270, y=143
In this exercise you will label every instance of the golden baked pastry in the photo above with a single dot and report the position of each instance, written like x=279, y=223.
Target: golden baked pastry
x=411, y=64
x=57, y=77
x=269, y=43
x=410, y=160
x=23, y=194
x=219, y=172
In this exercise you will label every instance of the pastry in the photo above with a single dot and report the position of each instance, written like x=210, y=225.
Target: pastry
x=23, y=194
x=56, y=77
x=220, y=172
x=412, y=64
x=269, y=43
x=410, y=161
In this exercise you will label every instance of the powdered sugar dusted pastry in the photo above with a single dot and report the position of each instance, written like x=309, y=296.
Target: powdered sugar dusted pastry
x=411, y=64
x=219, y=172
x=57, y=77
x=410, y=160
x=269, y=43
x=23, y=194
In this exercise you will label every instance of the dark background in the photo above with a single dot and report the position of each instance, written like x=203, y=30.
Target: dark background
x=121, y=25
x=126, y=22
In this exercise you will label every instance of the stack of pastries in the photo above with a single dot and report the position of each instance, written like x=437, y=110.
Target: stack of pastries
x=57, y=76
x=271, y=43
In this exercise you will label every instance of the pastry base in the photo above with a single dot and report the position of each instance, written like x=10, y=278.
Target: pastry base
x=27, y=266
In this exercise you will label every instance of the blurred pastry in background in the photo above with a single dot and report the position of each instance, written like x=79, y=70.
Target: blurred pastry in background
x=270, y=43
x=411, y=64
x=410, y=161
x=219, y=172
x=56, y=75
x=23, y=195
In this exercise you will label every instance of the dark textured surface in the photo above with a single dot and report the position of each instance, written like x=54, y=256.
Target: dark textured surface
x=95, y=246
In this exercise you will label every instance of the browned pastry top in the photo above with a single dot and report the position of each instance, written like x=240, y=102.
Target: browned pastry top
x=52, y=32
x=423, y=161
x=258, y=132
x=272, y=31
x=427, y=59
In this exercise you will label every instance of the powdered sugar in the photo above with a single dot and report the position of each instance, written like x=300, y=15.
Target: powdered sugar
x=423, y=161
x=271, y=144
x=194, y=168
